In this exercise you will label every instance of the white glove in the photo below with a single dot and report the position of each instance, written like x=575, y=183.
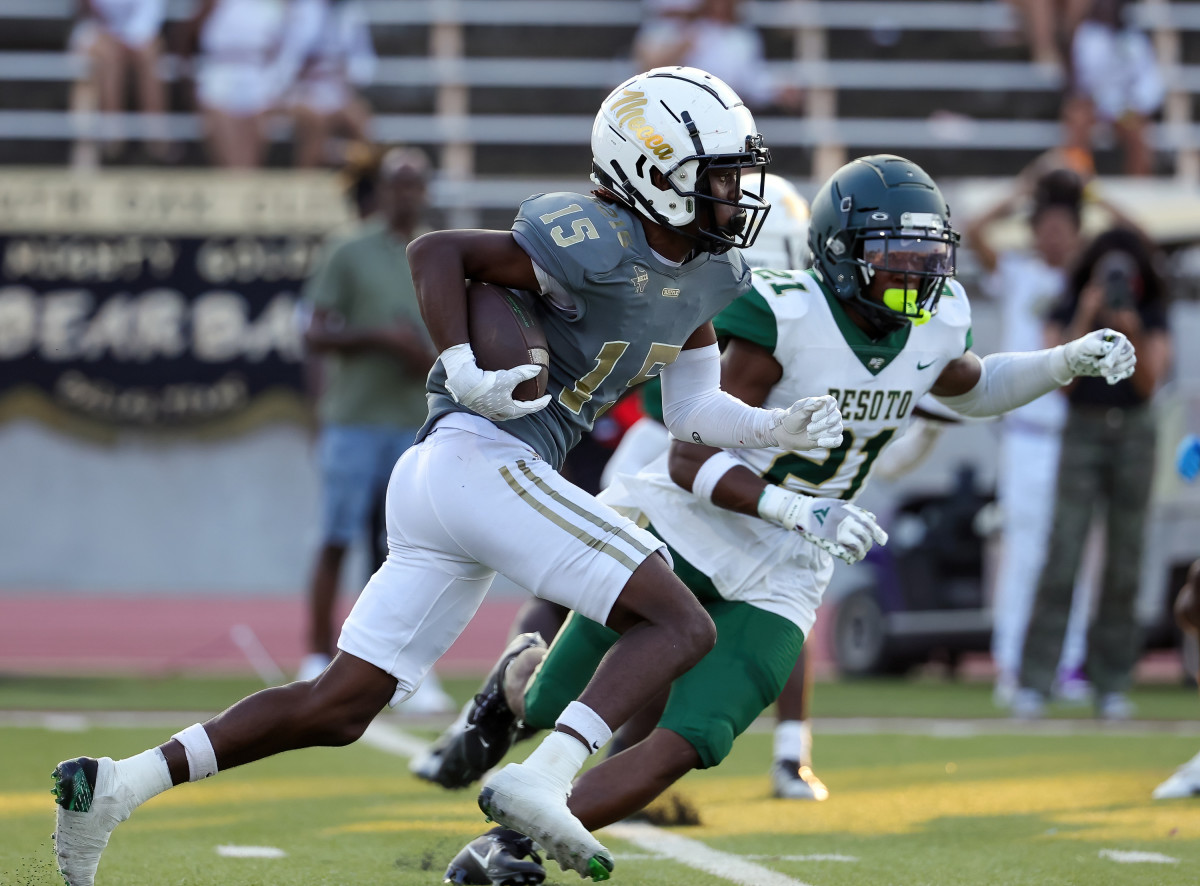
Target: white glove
x=838, y=527
x=1102, y=352
x=811, y=423
x=490, y=393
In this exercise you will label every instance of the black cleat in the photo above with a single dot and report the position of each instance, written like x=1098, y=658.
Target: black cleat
x=75, y=783
x=495, y=859
x=483, y=732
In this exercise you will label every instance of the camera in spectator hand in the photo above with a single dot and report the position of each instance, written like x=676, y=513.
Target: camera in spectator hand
x=1117, y=273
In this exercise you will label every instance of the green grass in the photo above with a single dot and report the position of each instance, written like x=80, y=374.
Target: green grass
x=910, y=809
x=927, y=697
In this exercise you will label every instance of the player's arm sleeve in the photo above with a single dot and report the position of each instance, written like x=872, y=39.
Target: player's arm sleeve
x=695, y=409
x=1009, y=380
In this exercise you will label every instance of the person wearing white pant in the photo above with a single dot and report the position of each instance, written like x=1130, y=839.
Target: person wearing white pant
x=1027, y=284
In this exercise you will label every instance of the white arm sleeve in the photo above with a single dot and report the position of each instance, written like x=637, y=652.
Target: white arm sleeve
x=695, y=409
x=1011, y=380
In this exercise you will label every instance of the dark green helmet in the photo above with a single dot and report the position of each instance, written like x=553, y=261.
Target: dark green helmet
x=883, y=212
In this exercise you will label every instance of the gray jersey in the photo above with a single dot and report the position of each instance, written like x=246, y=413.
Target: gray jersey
x=613, y=313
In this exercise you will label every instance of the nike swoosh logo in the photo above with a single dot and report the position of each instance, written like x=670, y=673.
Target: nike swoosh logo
x=925, y=365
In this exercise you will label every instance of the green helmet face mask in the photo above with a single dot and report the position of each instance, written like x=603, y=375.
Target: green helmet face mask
x=883, y=214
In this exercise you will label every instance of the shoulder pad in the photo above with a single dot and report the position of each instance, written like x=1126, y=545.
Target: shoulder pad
x=787, y=293
x=574, y=236
x=954, y=309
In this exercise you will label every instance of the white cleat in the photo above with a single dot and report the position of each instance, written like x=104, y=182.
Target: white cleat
x=90, y=805
x=791, y=781
x=532, y=804
x=1184, y=783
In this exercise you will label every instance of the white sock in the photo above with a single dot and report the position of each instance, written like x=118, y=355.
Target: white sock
x=793, y=741
x=146, y=775
x=587, y=723
x=560, y=757
x=202, y=759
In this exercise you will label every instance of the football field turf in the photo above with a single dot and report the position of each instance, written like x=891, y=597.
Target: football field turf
x=914, y=800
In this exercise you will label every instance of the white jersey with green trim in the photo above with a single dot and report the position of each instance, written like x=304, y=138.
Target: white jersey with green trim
x=876, y=384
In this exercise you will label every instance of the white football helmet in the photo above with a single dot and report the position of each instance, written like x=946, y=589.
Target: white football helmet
x=783, y=241
x=682, y=122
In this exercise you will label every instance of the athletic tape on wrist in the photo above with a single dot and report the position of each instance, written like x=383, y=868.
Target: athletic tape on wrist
x=710, y=474
x=780, y=506
x=587, y=723
x=202, y=759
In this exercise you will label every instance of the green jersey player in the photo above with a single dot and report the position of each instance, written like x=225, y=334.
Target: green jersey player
x=628, y=278
x=877, y=323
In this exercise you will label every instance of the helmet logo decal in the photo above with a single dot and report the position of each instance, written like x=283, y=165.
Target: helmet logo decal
x=627, y=109
x=640, y=279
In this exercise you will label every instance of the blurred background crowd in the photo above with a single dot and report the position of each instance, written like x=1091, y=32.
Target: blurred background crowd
x=203, y=209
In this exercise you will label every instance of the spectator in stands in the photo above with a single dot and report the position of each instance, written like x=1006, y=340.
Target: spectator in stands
x=119, y=38
x=715, y=39
x=323, y=101
x=1116, y=78
x=665, y=34
x=366, y=324
x=250, y=54
x=1106, y=461
x=235, y=40
x=1027, y=284
x=1049, y=26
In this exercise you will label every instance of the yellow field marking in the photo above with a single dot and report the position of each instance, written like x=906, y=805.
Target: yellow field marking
x=1081, y=806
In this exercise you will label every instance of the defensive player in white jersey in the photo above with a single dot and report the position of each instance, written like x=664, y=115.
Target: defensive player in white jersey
x=877, y=323
x=626, y=281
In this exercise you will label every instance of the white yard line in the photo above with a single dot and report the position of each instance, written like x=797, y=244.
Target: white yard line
x=230, y=851
x=700, y=856
x=394, y=740
x=1133, y=856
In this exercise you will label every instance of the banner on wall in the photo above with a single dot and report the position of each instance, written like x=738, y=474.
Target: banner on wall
x=163, y=302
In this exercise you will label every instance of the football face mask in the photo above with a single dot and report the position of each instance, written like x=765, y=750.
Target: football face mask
x=923, y=264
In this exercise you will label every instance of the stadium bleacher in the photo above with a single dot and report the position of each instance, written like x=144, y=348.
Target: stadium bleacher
x=503, y=91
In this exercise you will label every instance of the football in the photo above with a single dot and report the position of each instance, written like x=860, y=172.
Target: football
x=505, y=332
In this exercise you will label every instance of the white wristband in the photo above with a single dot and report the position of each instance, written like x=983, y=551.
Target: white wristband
x=710, y=474
x=780, y=506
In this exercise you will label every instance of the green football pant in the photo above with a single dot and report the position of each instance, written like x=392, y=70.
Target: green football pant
x=710, y=705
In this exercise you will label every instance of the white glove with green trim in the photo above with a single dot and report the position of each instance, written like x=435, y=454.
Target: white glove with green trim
x=842, y=529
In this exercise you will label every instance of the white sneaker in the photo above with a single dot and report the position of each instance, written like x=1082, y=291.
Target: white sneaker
x=1004, y=691
x=1115, y=706
x=1184, y=783
x=90, y=805
x=1028, y=704
x=312, y=665
x=532, y=804
x=791, y=781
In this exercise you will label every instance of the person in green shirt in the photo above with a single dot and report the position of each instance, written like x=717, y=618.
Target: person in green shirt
x=365, y=326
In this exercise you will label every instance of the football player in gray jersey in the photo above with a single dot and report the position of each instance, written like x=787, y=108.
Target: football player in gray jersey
x=752, y=532
x=629, y=278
